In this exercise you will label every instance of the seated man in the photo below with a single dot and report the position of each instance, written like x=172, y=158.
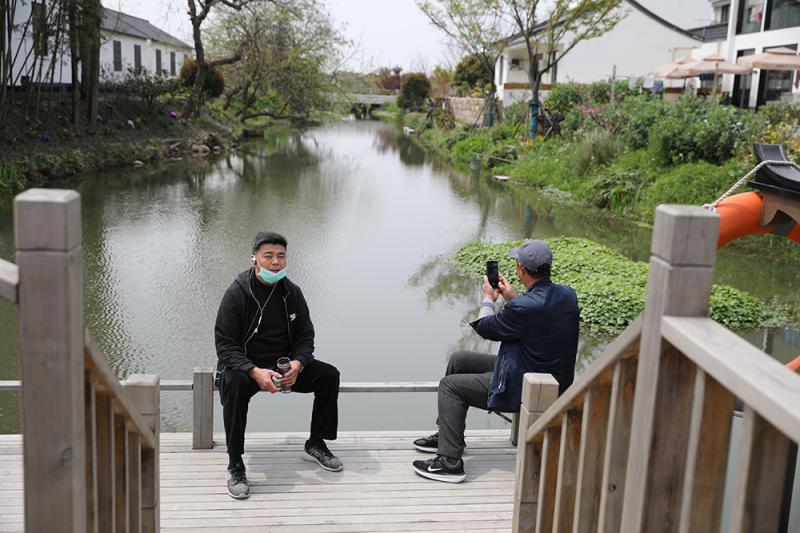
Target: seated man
x=262, y=317
x=538, y=332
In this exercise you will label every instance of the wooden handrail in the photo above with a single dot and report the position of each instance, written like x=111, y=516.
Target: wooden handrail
x=9, y=281
x=757, y=379
x=602, y=368
x=643, y=440
x=108, y=381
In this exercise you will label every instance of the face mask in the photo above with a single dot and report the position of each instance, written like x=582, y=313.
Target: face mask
x=271, y=277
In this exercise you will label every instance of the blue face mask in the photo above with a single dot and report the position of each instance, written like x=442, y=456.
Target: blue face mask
x=271, y=277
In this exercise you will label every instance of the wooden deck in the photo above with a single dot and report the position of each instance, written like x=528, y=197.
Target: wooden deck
x=377, y=491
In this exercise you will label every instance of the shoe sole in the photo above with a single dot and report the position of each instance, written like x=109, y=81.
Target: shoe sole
x=242, y=497
x=311, y=459
x=447, y=478
x=426, y=449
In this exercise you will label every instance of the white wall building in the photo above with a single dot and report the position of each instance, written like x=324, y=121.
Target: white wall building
x=752, y=27
x=129, y=42
x=639, y=42
x=126, y=42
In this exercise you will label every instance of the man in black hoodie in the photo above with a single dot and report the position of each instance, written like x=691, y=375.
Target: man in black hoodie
x=262, y=317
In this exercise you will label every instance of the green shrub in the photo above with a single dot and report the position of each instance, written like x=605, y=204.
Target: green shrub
x=516, y=113
x=564, y=96
x=640, y=112
x=693, y=183
x=414, y=89
x=695, y=129
x=471, y=72
x=598, y=147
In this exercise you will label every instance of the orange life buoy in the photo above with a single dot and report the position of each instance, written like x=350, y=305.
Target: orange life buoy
x=740, y=215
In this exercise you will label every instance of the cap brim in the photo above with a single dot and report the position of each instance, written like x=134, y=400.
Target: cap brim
x=514, y=252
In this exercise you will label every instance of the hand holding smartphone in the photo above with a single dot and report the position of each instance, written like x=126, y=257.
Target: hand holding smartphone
x=493, y=273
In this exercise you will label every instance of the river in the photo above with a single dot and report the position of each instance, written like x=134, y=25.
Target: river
x=371, y=222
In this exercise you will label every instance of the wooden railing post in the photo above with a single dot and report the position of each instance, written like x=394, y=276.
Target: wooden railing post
x=203, y=409
x=47, y=227
x=539, y=391
x=679, y=284
x=144, y=391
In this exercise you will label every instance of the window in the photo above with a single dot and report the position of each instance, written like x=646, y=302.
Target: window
x=724, y=13
x=751, y=13
x=158, y=62
x=39, y=27
x=172, y=63
x=742, y=83
x=783, y=14
x=773, y=84
x=137, y=58
x=117, y=56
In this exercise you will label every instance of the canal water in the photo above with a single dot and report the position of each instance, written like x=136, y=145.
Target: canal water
x=372, y=222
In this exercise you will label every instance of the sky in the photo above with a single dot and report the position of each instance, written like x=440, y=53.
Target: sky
x=388, y=32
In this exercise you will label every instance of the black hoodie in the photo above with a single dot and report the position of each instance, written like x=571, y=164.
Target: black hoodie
x=238, y=315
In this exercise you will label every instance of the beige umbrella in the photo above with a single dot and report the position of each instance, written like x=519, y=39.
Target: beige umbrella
x=776, y=59
x=672, y=70
x=714, y=65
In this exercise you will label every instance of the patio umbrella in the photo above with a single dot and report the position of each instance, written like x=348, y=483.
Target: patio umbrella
x=672, y=70
x=776, y=59
x=714, y=65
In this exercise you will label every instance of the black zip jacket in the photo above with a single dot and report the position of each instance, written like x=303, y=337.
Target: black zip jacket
x=237, y=318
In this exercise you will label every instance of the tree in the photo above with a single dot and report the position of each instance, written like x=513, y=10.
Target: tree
x=477, y=27
x=288, y=58
x=551, y=29
x=389, y=78
x=414, y=89
x=199, y=11
x=471, y=71
x=441, y=81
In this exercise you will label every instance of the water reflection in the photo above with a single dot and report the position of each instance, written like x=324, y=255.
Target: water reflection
x=372, y=222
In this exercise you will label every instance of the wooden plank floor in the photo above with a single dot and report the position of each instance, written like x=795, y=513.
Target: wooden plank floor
x=377, y=491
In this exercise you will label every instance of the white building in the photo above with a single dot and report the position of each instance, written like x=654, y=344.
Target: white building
x=126, y=42
x=640, y=41
x=753, y=27
x=130, y=42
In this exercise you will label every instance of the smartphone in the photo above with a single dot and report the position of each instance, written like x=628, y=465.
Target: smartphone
x=493, y=273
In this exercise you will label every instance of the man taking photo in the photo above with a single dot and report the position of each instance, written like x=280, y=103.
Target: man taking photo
x=538, y=332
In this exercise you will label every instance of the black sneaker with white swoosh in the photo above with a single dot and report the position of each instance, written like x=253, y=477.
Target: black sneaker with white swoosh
x=441, y=468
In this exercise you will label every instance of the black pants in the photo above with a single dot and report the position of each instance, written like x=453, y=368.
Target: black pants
x=236, y=389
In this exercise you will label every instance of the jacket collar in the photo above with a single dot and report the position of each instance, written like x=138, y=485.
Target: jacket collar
x=539, y=283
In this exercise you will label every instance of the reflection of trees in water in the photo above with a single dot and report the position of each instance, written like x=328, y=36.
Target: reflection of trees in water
x=388, y=140
x=385, y=140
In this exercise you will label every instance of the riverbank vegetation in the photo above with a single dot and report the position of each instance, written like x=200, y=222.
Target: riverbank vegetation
x=625, y=156
x=611, y=288
x=256, y=63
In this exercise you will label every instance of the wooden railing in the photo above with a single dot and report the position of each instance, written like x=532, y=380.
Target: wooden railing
x=90, y=444
x=642, y=441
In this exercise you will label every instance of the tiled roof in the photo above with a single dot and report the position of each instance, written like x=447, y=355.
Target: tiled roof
x=119, y=22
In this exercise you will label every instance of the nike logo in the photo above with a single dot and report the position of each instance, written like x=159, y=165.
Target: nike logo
x=432, y=469
x=292, y=317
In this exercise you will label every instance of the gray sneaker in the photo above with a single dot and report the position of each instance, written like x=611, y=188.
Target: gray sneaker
x=320, y=454
x=237, y=483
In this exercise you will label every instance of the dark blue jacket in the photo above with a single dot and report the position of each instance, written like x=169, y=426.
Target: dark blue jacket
x=538, y=332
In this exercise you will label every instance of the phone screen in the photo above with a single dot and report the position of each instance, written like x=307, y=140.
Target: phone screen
x=492, y=273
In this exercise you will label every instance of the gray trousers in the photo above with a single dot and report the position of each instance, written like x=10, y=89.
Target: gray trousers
x=465, y=385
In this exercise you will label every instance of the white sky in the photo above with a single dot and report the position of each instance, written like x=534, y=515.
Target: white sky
x=388, y=32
